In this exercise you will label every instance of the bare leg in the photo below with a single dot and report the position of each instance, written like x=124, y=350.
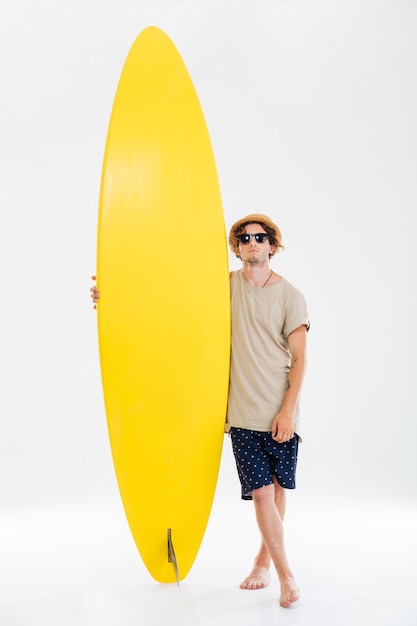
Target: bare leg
x=259, y=575
x=270, y=509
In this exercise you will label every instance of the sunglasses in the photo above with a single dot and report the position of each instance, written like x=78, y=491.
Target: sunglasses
x=247, y=237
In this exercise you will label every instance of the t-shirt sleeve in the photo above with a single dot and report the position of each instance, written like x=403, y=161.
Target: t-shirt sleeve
x=296, y=313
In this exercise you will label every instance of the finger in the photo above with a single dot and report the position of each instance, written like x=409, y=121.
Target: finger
x=93, y=277
x=281, y=437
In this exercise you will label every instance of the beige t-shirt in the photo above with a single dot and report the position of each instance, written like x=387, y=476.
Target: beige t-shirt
x=262, y=319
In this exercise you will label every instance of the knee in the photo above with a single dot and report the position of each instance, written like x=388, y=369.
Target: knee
x=263, y=495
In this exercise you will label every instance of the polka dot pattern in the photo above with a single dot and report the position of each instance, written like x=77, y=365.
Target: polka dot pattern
x=259, y=458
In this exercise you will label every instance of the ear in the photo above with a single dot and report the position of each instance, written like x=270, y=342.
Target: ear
x=235, y=251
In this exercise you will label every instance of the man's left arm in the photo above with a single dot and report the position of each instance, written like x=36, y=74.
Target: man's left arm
x=283, y=426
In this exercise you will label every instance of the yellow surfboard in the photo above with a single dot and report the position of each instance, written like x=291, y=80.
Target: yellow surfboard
x=163, y=315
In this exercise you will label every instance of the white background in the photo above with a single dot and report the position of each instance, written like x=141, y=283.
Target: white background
x=311, y=107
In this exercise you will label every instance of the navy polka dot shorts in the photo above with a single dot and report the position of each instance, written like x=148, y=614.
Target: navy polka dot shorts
x=258, y=458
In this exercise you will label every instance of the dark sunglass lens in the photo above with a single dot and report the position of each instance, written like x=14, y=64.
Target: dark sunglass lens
x=245, y=238
x=260, y=238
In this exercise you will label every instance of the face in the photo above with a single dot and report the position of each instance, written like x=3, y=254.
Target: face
x=255, y=253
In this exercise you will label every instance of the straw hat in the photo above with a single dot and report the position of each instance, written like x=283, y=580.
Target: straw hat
x=274, y=233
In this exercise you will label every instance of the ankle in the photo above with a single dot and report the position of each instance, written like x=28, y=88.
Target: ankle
x=264, y=562
x=286, y=578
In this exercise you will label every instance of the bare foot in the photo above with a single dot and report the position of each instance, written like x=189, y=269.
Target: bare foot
x=257, y=579
x=289, y=593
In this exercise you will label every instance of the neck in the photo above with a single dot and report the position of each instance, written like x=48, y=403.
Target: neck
x=257, y=275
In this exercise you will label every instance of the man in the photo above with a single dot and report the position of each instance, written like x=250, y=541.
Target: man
x=268, y=358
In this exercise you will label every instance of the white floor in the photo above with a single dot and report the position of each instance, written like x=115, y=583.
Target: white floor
x=72, y=564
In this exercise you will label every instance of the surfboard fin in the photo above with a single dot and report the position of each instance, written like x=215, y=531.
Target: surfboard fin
x=171, y=556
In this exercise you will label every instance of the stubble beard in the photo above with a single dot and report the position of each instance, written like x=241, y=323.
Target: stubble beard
x=256, y=260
